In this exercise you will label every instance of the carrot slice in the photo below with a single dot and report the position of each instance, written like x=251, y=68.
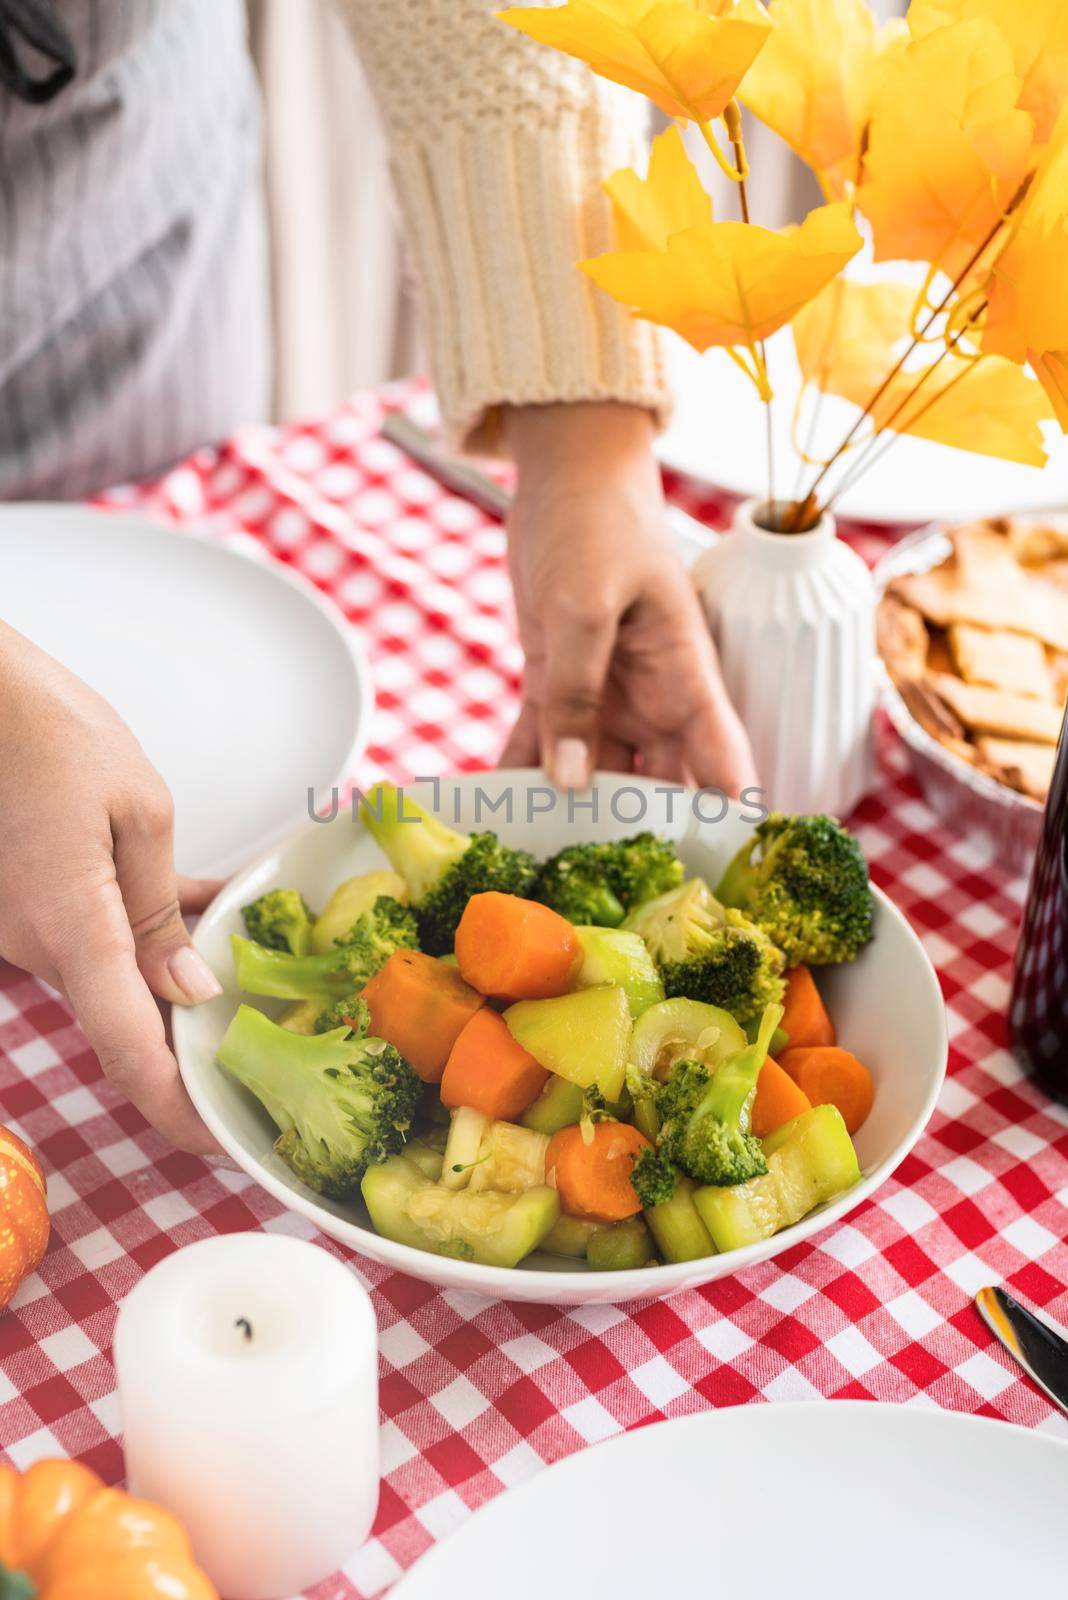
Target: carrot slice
x=831, y=1076
x=778, y=1099
x=422, y=1006
x=489, y=1070
x=516, y=949
x=805, y=1016
x=593, y=1180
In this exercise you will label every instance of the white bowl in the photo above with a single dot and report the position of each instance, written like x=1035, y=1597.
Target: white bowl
x=887, y=1007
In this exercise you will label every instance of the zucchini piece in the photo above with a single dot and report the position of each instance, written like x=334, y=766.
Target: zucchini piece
x=677, y=1030
x=609, y=955
x=582, y=1036
x=349, y=901
x=497, y=1230
x=428, y=1160
x=466, y=1132
x=620, y=1247
x=810, y=1160
x=677, y=1227
x=570, y=1236
x=558, y=1106
x=511, y=1159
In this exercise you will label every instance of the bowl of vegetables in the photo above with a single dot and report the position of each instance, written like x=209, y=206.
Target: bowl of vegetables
x=564, y=1049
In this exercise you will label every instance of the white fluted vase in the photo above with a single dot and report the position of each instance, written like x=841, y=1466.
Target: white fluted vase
x=793, y=617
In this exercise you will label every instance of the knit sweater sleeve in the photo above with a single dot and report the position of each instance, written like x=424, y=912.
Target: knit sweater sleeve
x=498, y=148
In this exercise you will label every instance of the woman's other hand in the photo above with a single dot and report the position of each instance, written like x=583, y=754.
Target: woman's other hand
x=619, y=661
x=89, y=900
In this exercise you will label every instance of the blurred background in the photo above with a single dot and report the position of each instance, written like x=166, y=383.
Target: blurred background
x=343, y=303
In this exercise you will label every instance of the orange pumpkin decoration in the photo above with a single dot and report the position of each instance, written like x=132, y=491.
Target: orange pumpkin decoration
x=65, y=1536
x=23, y=1215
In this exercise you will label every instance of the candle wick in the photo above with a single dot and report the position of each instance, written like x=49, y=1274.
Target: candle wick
x=246, y=1327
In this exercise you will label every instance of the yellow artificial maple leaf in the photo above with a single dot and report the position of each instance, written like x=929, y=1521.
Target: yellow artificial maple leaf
x=1028, y=305
x=988, y=406
x=649, y=210
x=814, y=80
x=947, y=148
x=845, y=337
x=730, y=283
x=1051, y=370
x=687, y=56
x=1036, y=32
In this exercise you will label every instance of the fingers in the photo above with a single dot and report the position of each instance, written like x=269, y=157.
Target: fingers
x=716, y=746
x=523, y=748
x=144, y=867
x=578, y=650
x=196, y=894
x=99, y=974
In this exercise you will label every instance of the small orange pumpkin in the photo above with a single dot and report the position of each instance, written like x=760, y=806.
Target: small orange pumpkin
x=65, y=1536
x=23, y=1215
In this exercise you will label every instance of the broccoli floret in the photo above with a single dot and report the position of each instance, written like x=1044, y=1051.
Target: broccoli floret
x=805, y=881
x=653, y=1178
x=368, y=945
x=706, y=951
x=704, y=1117
x=443, y=868
x=353, y=1013
x=598, y=883
x=340, y=1103
x=280, y=919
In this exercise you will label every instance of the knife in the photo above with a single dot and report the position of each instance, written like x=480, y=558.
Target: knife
x=481, y=490
x=1042, y=1350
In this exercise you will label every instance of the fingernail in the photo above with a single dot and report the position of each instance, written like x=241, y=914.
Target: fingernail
x=193, y=975
x=571, y=764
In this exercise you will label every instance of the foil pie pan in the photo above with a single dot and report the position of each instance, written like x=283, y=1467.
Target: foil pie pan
x=970, y=802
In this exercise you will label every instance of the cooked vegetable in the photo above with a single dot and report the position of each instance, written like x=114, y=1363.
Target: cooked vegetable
x=831, y=1076
x=490, y=1070
x=583, y=1036
x=511, y=1159
x=597, y=883
x=653, y=1178
x=516, y=949
x=621, y=1247
x=421, y=1006
x=810, y=1161
x=704, y=1117
x=497, y=1230
x=348, y=903
x=467, y=1129
x=683, y=1029
x=558, y=1106
x=428, y=1160
x=676, y=1225
x=805, y=881
x=593, y=1179
x=805, y=1019
x=708, y=952
x=778, y=1099
x=570, y=1236
x=301, y=1016
x=612, y=955
x=340, y=1102
x=353, y=1013
x=377, y=933
x=281, y=920
x=443, y=868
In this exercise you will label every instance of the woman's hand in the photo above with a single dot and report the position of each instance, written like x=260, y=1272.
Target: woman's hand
x=619, y=661
x=89, y=900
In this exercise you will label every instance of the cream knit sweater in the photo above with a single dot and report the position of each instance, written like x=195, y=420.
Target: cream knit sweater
x=498, y=147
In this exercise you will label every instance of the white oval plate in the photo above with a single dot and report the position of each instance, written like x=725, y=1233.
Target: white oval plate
x=717, y=436
x=887, y=1006
x=840, y=1498
x=244, y=685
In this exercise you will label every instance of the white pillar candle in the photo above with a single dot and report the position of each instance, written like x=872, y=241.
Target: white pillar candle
x=248, y=1382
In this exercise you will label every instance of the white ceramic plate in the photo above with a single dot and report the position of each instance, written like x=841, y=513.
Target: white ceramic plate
x=244, y=685
x=887, y=1006
x=842, y=1498
x=717, y=436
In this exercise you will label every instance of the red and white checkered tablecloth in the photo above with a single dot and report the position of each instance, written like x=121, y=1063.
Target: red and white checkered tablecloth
x=477, y=1396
